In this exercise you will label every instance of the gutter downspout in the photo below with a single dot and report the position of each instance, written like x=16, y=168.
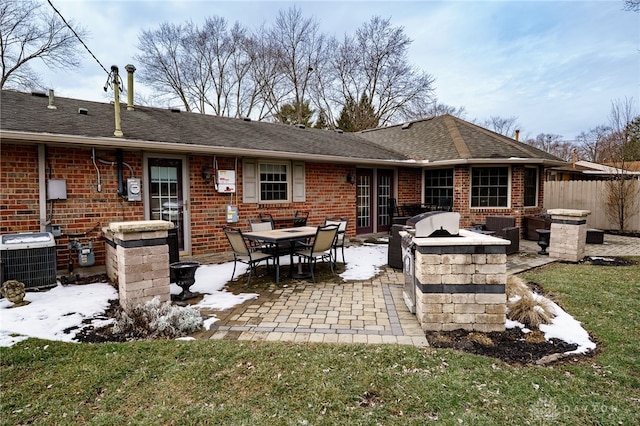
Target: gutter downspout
x=42, y=186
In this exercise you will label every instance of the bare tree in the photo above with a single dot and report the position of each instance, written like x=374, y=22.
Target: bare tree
x=163, y=62
x=622, y=197
x=27, y=33
x=436, y=108
x=204, y=67
x=505, y=126
x=234, y=72
x=299, y=47
x=269, y=91
x=632, y=5
x=245, y=90
x=374, y=63
x=215, y=64
x=592, y=144
x=553, y=144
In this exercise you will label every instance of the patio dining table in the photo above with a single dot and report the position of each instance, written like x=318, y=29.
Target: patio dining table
x=282, y=235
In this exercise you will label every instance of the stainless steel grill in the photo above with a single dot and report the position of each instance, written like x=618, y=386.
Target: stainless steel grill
x=425, y=225
x=435, y=224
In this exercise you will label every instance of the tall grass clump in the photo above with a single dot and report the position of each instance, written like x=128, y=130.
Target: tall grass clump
x=524, y=306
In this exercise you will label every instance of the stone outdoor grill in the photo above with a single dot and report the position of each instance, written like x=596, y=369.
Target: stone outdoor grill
x=454, y=278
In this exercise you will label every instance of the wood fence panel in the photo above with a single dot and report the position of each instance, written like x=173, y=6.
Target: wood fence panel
x=587, y=195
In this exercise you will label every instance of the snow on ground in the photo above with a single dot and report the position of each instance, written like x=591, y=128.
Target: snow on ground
x=52, y=312
x=563, y=326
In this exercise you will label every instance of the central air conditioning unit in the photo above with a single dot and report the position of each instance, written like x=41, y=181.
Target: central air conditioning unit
x=30, y=258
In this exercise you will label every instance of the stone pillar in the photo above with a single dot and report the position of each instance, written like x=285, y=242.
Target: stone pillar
x=568, y=234
x=460, y=282
x=138, y=260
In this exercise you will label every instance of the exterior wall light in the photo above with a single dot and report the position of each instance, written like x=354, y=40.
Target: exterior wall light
x=207, y=174
x=351, y=178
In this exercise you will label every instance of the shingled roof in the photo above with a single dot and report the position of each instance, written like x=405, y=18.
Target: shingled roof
x=24, y=112
x=447, y=138
x=422, y=142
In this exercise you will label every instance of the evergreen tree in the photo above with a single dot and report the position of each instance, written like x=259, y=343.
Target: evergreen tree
x=322, y=122
x=288, y=114
x=354, y=118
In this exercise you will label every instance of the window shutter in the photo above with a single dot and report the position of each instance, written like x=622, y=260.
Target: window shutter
x=249, y=182
x=299, y=193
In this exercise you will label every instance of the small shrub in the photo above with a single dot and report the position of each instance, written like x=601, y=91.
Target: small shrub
x=154, y=320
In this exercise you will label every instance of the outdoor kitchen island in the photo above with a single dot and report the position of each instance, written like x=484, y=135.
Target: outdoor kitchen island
x=454, y=281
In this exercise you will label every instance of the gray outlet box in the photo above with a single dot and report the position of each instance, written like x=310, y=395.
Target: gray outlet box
x=56, y=189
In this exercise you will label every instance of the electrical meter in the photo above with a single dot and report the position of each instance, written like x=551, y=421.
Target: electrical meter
x=134, y=191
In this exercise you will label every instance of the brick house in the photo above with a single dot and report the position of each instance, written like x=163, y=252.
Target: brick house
x=61, y=167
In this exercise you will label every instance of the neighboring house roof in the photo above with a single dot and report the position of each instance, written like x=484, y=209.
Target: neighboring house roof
x=589, y=168
x=447, y=138
x=440, y=140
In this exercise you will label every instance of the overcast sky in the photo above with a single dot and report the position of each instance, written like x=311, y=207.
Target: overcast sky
x=556, y=65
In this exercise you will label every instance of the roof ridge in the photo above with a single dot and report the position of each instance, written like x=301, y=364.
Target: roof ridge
x=458, y=140
x=512, y=142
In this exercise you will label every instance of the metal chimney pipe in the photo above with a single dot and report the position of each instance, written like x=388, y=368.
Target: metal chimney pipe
x=517, y=134
x=116, y=94
x=130, y=70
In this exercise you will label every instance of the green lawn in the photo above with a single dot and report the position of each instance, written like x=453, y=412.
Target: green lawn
x=230, y=382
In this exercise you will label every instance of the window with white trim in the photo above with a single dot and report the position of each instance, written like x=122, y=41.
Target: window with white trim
x=273, y=181
x=490, y=187
x=531, y=186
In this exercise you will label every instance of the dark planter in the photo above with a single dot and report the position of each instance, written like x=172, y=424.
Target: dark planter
x=185, y=273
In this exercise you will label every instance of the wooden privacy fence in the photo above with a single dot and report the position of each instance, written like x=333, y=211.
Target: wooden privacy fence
x=588, y=195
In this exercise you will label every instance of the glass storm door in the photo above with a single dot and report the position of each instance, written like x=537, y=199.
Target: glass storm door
x=384, y=190
x=166, y=195
x=364, y=201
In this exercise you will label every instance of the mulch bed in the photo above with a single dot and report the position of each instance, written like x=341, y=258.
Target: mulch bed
x=511, y=346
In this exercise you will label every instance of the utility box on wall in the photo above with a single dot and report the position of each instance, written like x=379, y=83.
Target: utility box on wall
x=56, y=189
x=227, y=181
x=232, y=214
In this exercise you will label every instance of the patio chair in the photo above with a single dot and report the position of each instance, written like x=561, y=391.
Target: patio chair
x=342, y=223
x=242, y=252
x=267, y=217
x=398, y=215
x=300, y=218
x=504, y=227
x=321, y=248
x=257, y=224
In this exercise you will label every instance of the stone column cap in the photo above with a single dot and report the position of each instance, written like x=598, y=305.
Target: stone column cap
x=140, y=226
x=569, y=212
